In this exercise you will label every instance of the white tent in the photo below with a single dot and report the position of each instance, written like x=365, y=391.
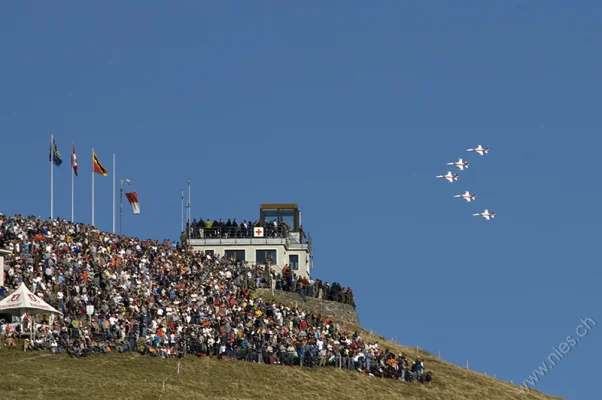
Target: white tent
x=23, y=301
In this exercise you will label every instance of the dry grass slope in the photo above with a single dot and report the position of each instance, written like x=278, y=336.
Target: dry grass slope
x=37, y=375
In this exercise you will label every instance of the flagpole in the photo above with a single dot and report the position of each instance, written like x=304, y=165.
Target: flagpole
x=182, y=197
x=121, y=203
x=189, y=211
x=51, y=176
x=92, y=185
x=114, y=193
x=120, y=206
x=72, y=185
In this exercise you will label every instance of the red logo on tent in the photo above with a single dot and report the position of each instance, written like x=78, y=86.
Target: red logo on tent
x=33, y=298
x=15, y=297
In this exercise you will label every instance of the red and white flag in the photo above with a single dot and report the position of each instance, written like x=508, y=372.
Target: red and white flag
x=133, y=199
x=257, y=232
x=73, y=159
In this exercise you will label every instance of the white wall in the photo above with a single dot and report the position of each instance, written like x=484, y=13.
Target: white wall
x=282, y=255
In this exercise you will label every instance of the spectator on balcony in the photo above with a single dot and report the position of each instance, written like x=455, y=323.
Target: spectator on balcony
x=243, y=229
x=229, y=229
x=284, y=229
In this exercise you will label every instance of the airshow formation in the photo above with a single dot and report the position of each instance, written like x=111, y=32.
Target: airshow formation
x=461, y=164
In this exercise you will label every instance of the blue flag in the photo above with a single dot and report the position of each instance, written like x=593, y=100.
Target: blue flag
x=55, y=156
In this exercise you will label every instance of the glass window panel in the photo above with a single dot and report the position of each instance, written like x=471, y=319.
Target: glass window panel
x=288, y=216
x=293, y=261
x=269, y=214
x=235, y=254
x=260, y=256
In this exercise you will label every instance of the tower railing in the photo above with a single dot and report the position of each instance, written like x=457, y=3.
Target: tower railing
x=236, y=235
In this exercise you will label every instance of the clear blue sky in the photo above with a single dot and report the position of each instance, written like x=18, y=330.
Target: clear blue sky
x=350, y=111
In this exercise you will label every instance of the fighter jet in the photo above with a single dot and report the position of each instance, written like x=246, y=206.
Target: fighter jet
x=479, y=149
x=485, y=214
x=467, y=196
x=460, y=164
x=449, y=176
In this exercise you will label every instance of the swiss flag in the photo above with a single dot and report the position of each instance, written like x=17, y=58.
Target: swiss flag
x=258, y=231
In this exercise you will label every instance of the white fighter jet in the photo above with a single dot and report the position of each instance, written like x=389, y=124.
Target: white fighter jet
x=485, y=214
x=467, y=196
x=449, y=176
x=460, y=164
x=480, y=149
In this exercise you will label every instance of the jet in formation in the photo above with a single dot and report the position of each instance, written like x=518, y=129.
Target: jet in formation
x=479, y=149
x=467, y=196
x=485, y=214
x=460, y=164
x=449, y=176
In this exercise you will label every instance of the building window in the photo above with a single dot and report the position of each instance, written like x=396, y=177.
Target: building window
x=260, y=256
x=288, y=216
x=210, y=253
x=293, y=261
x=235, y=254
x=269, y=215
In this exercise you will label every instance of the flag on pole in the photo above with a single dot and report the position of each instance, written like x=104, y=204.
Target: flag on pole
x=133, y=199
x=55, y=156
x=73, y=159
x=97, y=167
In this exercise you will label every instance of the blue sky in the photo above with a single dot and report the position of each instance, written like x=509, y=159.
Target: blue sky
x=349, y=111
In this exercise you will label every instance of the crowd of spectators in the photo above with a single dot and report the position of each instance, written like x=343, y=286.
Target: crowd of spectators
x=307, y=287
x=174, y=301
x=232, y=229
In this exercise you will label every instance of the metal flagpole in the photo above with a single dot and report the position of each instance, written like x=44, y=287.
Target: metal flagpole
x=189, y=211
x=182, y=197
x=72, y=185
x=121, y=203
x=92, y=185
x=51, y=176
x=120, y=206
x=113, y=192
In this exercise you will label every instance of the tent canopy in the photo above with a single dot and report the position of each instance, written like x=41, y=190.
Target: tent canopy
x=23, y=301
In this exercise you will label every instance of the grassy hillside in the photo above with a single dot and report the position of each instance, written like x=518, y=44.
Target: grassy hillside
x=39, y=375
